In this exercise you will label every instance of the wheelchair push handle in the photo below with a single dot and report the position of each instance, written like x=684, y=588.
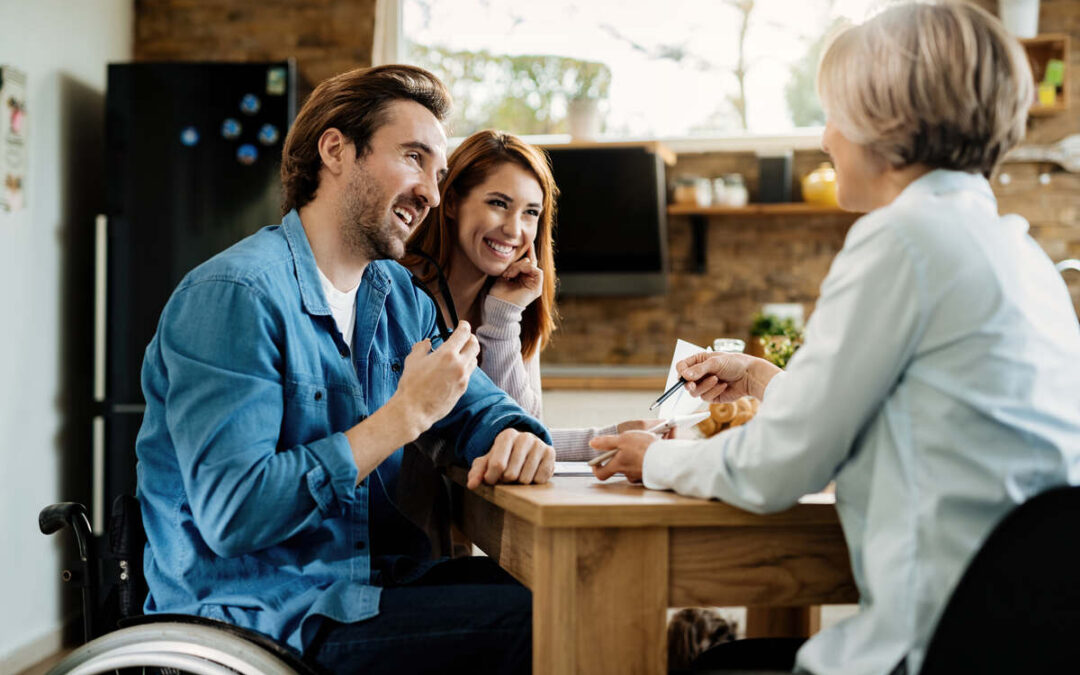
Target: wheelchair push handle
x=52, y=519
x=55, y=516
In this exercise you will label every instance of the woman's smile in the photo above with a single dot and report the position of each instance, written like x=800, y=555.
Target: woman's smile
x=497, y=219
x=500, y=249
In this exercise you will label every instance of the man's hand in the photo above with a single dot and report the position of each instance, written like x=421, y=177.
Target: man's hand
x=630, y=457
x=433, y=381
x=718, y=377
x=522, y=282
x=515, y=457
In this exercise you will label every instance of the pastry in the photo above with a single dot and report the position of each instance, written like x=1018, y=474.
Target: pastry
x=727, y=415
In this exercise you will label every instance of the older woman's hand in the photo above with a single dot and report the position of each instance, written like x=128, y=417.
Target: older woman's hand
x=521, y=283
x=718, y=377
x=630, y=457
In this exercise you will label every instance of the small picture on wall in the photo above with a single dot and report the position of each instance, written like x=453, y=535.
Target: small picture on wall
x=13, y=138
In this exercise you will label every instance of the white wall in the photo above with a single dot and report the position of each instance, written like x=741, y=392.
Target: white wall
x=62, y=46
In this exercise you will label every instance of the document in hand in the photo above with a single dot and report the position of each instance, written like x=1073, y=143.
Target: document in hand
x=681, y=402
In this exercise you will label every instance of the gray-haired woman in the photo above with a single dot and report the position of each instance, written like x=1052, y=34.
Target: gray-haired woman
x=938, y=381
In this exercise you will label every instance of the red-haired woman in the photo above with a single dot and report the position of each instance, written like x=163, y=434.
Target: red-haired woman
x=491, y=235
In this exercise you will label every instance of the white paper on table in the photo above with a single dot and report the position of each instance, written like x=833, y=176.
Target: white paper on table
x=573, y=469
x=681, y=402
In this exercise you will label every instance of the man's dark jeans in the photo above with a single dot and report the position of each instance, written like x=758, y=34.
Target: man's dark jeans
x=463, y=615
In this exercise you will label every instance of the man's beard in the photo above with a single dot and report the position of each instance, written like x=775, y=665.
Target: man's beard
x=366, y=229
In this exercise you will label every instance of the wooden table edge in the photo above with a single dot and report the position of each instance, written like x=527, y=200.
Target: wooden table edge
x=686, y=512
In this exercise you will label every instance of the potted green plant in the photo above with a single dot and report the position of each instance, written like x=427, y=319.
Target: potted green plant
x=589, y=83
x=774, y=339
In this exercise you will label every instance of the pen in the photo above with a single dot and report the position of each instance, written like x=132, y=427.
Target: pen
x=604, y=456
x=667, y=394
x=674, y=388
x=662, y=428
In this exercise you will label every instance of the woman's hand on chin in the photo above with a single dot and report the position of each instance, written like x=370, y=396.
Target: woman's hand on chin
x=521, y=283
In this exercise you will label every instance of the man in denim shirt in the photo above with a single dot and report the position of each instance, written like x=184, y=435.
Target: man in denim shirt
x=286, y=375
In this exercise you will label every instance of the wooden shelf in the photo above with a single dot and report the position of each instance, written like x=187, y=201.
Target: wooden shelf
x=784, y=209
x=699, y=219
x=1045, y=110
x=604, y=383
x=615, y=378
x=1041, y=49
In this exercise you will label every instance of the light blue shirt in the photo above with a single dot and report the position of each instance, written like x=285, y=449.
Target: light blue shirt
x=938, y=385
x=248, y=488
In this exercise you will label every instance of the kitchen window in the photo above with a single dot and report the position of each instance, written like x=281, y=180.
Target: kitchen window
x=629, y=69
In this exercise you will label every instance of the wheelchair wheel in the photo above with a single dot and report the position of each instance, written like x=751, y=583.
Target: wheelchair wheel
x=183, y=647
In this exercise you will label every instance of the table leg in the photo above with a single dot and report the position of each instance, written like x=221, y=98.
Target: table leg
x=600, y=599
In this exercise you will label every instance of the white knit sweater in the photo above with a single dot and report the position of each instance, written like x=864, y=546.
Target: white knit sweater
x=500, y=338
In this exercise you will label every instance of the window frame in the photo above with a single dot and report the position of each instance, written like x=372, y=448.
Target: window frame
x=389, y=47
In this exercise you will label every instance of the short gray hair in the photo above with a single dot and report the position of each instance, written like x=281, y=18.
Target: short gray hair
x=938, y=84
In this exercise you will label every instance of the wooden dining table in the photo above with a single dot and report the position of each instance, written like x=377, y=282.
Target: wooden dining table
x=606, y=560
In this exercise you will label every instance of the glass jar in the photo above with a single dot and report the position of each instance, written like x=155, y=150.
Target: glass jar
x=735, y=192
x=703, y=191
x=685, y=190
x=719, y=191
x=728, y=345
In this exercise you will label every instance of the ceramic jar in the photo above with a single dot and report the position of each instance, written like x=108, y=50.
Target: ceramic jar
x=819, y=186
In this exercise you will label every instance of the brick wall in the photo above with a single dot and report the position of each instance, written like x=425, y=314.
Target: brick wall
x=749, y=261
x=325, y=36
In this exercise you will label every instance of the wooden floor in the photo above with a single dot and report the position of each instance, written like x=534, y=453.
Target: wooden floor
x=42, y=667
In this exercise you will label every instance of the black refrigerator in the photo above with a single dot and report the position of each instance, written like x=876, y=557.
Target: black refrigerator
x=193, y=152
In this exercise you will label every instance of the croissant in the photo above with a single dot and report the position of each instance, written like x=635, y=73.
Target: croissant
x=727, y=415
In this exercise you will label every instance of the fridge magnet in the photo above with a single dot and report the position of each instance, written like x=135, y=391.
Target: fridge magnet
x=13, y=138
x=230, y=129
x=276, y=81
x=246, y=154
x=189, y=136
x=250, y=104
x=268, y=134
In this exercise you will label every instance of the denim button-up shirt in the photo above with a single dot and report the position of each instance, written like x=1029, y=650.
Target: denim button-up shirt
x=247, y=483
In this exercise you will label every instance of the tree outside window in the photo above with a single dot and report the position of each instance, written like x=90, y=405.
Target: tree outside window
x=676, y=68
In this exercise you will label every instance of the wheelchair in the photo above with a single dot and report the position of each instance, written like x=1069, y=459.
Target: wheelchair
x=165, y=644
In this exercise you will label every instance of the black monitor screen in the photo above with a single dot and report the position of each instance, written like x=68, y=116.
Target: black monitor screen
x=612, y=227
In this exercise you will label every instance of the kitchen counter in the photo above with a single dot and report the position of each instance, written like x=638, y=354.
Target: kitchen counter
x=625, y=378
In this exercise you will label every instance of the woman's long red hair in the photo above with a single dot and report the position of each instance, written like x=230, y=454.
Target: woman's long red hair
x=468, y=166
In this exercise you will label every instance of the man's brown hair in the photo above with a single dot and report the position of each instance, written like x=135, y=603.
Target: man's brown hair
x=355, y=103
